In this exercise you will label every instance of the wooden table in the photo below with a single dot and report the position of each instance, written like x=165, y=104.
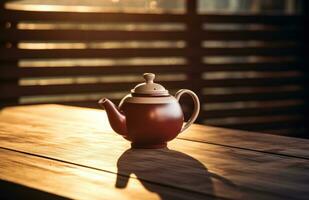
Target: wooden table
x=56, y=152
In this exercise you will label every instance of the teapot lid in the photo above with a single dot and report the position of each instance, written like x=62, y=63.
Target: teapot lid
x=149, y=88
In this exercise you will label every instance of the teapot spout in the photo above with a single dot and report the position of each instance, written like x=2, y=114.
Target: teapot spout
x=116, y=119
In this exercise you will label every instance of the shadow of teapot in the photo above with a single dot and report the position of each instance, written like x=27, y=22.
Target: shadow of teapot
x=168, y=168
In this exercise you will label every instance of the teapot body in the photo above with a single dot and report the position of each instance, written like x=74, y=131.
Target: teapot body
x=152, y=124
x=149, y=116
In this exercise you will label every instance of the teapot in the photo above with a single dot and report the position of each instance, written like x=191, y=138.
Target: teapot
x=149, y=116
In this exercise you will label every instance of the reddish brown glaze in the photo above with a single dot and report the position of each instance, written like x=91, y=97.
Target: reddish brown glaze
x=145, y=125
x=115, y=118
x=152, y=125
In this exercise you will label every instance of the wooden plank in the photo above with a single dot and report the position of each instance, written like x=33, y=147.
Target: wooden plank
x=254, y=96
x=92, y=35
x=63, y=179
x=15, y=53
x=13, y=91
x=243, y=35
x=8, y=91
x=18, y=15
x=258, y=111
x=273, y=144
x=252, y=18
x=88, y=35
x=204, y=168
x=244, y=51
x=257, y=66
x=273, y=81
x=8, y=72
x=88, y=17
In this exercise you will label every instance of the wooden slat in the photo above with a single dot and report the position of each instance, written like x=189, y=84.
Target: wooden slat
x=8, y=91
x=25, y=72
x=16, y=91
x=259, y=111
x=252, y=18
x=10, y=71
x=258, y=96
x=243, y=35
x=14, y=53
x=261, y=51
x=92, y=35
x=202, y=168
x=14, y=15
x=259, y=66
x=252, y=81
x=12, y=91
x=69, y=181
x=19, y=15
x=87, y=35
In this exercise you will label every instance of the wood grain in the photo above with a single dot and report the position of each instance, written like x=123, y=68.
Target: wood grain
x=52, y=179
x=274, y=144
x=84, y=137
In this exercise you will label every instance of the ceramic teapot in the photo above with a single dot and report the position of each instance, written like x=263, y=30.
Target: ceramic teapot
x=149, y=116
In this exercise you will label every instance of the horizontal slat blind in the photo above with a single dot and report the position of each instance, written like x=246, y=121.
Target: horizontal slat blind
x=246, y=69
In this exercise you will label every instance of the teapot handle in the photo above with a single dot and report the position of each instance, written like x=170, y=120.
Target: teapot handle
x=196, y=106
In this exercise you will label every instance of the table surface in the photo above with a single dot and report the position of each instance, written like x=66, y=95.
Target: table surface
x=56, y=152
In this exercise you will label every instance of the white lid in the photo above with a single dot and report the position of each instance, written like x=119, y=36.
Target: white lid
x=149, y=88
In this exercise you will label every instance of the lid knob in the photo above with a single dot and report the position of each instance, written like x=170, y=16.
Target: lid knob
x=149, y=77
x=149, y=88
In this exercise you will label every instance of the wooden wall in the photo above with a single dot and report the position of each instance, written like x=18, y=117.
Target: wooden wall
x=254, y=81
